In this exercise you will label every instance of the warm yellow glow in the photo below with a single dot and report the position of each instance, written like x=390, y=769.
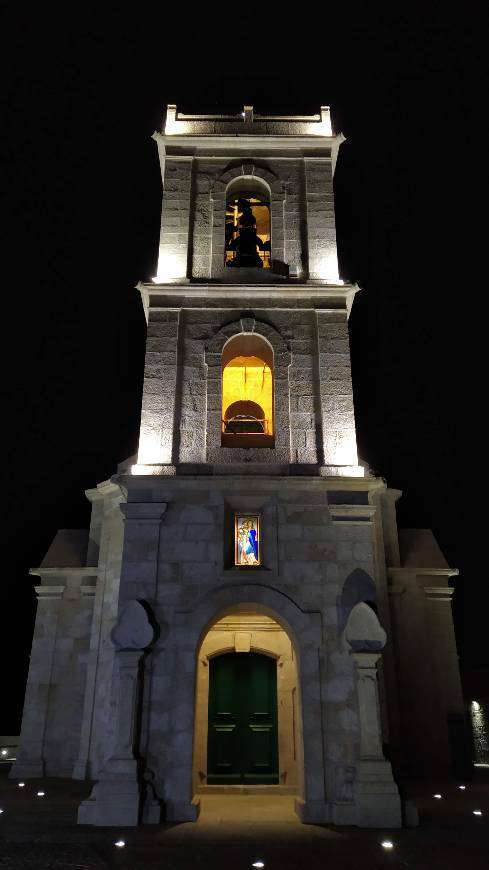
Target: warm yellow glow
x=248, y=378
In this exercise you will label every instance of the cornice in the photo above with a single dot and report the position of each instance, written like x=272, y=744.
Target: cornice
x=82, y=571
x=422, y=572
x=231, y=142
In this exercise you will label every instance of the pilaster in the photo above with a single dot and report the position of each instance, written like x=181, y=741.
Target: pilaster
x=335, y=389
x=156, y=440
x=30, y=760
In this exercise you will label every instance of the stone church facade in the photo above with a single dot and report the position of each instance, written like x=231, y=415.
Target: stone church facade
x=243, y=614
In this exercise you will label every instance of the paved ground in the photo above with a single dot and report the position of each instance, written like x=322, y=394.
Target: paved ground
x=232, y=833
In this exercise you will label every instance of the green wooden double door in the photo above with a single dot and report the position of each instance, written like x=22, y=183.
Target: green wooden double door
x=242, y=743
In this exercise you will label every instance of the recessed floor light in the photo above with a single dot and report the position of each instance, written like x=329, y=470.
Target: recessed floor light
x=258, y=864
x=462, y=787
x=41, y=793
x=21, y=784
x=387, y=844
x=120, y=844
x=437, y=796
x=477, y=812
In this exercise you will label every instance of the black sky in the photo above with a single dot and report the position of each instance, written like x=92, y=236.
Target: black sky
x=83, y=88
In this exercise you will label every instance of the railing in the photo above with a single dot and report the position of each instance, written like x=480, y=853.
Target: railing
x=241, y=425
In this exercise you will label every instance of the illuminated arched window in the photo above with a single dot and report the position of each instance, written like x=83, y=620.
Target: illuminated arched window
x=247, y=392
x=247, y=227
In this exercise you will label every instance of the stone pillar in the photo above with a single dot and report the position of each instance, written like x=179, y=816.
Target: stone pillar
x=159, y=389
x=175, y=220
x=81, y=763
x=30, y=758
x=376, y=795
x=339, y=446
x=117, y=794
x=313, y=808
x=321, y=231
x=452, y=729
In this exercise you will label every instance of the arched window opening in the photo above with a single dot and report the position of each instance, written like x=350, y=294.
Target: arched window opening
x=247, y=392
x=247, y=225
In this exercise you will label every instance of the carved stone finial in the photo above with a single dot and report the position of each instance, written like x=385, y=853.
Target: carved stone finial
x=133, y=629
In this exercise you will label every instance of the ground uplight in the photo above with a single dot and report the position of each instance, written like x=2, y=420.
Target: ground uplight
x=21, y=784
x=387, y=844
x=462, y=787
x=41, y=793
x=120, y=844
x=258, y=864
x=477, y=812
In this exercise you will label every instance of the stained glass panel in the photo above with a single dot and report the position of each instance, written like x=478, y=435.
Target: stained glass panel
x=247, y=542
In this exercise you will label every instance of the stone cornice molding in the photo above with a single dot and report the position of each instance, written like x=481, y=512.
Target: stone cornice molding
x=438, y=593
x=51, y=592
x=103, y=490
x=352, y=513
x=83, y=571
x=88, y=591
x=238, y=482
x=340, y=296
x=190, y=145
x=142, y=512
x=422, y=572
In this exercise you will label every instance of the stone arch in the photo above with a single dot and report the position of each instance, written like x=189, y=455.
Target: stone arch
x=359, y=587
x=218, y=196
x=281, y=362
x=189, y=628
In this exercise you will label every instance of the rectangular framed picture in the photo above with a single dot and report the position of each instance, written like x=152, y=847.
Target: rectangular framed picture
x=247, y=539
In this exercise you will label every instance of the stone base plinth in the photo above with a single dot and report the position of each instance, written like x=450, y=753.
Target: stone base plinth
x=376, y=795
x=112, y=803
x=27, y=769
x=312, y=812
x=182, y=811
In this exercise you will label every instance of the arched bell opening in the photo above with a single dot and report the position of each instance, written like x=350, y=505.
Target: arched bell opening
x=248, y=732
x=247, y=418
x=247, y=224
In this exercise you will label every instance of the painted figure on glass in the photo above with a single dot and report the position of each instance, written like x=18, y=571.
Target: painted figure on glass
x=247, y=540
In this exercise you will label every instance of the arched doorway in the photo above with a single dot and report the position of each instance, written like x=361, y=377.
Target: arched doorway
x=247, y=719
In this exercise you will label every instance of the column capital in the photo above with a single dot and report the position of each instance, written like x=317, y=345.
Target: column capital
x=52, y=592
x=438, y=593
x=366, y=660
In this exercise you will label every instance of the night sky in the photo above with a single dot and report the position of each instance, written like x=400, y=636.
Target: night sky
x=83, y=88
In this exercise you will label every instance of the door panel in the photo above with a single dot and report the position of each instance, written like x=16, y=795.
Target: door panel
x=242, y=743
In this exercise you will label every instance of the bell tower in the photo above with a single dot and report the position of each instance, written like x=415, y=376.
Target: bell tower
x=247, y=255
x=244, y=578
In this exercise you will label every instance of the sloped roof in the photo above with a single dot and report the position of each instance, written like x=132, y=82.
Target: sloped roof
x=419, y=549
x=67, y=550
